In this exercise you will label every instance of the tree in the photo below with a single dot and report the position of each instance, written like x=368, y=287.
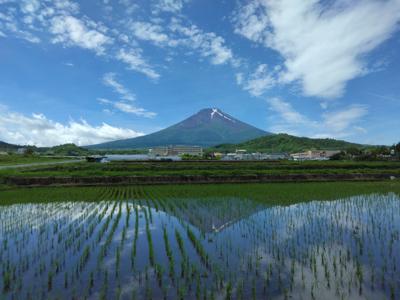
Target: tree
x=338, y=156
x=353, y=151
x=397, y=148
x=28, y=151
x=382, y=150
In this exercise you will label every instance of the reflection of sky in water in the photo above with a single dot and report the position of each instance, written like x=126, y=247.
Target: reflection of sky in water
x=314, y=248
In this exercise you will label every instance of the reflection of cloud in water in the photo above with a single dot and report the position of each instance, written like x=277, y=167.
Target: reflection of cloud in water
x=241, y=238
x=348, y=220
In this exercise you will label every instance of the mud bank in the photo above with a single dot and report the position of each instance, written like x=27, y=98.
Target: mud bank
x=188, y=179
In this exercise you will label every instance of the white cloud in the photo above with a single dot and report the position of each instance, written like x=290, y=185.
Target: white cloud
x=323, y=46
x=66, y=6
x=129, y=6
x=127, y=108
x=339, y=121
x=151, y=32
x=334, y=124
x=208, y=44
x=286, y=111
x=26, y=35
x=110, y=80
x=71, y=31
x=172, y=6
x=64, y=23
x=30, y=6
x=259, y=81
x=9, y=23
x=38, y=130
x=252, y=21
x=133, y=58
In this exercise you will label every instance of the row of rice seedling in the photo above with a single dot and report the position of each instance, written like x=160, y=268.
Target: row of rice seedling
x=147, y=243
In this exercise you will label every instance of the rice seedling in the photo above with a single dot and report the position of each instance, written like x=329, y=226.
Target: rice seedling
x=230, y=244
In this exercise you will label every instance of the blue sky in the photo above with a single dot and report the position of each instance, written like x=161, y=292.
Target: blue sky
x=94, y=71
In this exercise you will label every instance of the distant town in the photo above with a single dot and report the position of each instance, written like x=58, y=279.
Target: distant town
x=177, y=152
x=186, y=152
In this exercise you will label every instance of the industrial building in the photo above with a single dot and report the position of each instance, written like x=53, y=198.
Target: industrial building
x=173, y=150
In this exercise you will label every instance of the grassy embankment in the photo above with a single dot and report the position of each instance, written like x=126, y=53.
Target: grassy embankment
x=173, y=171
x=207, y=168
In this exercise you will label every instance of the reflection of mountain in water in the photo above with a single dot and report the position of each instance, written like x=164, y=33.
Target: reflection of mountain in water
x=212, y=214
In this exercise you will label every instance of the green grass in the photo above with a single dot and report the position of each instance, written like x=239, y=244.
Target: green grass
x=211, y=168
x=15, y=159
x=271, y=193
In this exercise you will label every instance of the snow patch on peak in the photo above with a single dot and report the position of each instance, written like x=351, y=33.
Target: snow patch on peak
x=216, y=111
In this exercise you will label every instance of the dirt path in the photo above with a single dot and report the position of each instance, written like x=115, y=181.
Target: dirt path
x=40, y=164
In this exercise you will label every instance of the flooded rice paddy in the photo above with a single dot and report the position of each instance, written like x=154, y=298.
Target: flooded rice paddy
x=160, y=247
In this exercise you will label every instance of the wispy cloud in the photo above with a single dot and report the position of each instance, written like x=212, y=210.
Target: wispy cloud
x=341, y=123
x=38, y=130
x=109, y=79
x=133, y=58
x=65, y=24
x=130, y=6
x=129, y=108
x=126, y=108
x=126, y=103
x=68, y=27
x=287, y=112
x=323, y=44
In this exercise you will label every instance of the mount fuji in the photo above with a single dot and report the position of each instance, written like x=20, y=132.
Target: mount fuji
x=208, y=127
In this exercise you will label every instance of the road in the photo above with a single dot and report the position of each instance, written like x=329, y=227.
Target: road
x=40, y=164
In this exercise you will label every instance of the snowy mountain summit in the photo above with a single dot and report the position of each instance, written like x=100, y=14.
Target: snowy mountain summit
x=216, y=111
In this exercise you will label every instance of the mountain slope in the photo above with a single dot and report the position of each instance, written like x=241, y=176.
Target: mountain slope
x=8, y=147
x=207, y=128
x=286, y=143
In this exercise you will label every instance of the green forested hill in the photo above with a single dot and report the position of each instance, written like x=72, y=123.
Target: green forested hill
x=286, y=143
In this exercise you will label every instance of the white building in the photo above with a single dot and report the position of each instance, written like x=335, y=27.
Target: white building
x=314, y=155
x=21, y=150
